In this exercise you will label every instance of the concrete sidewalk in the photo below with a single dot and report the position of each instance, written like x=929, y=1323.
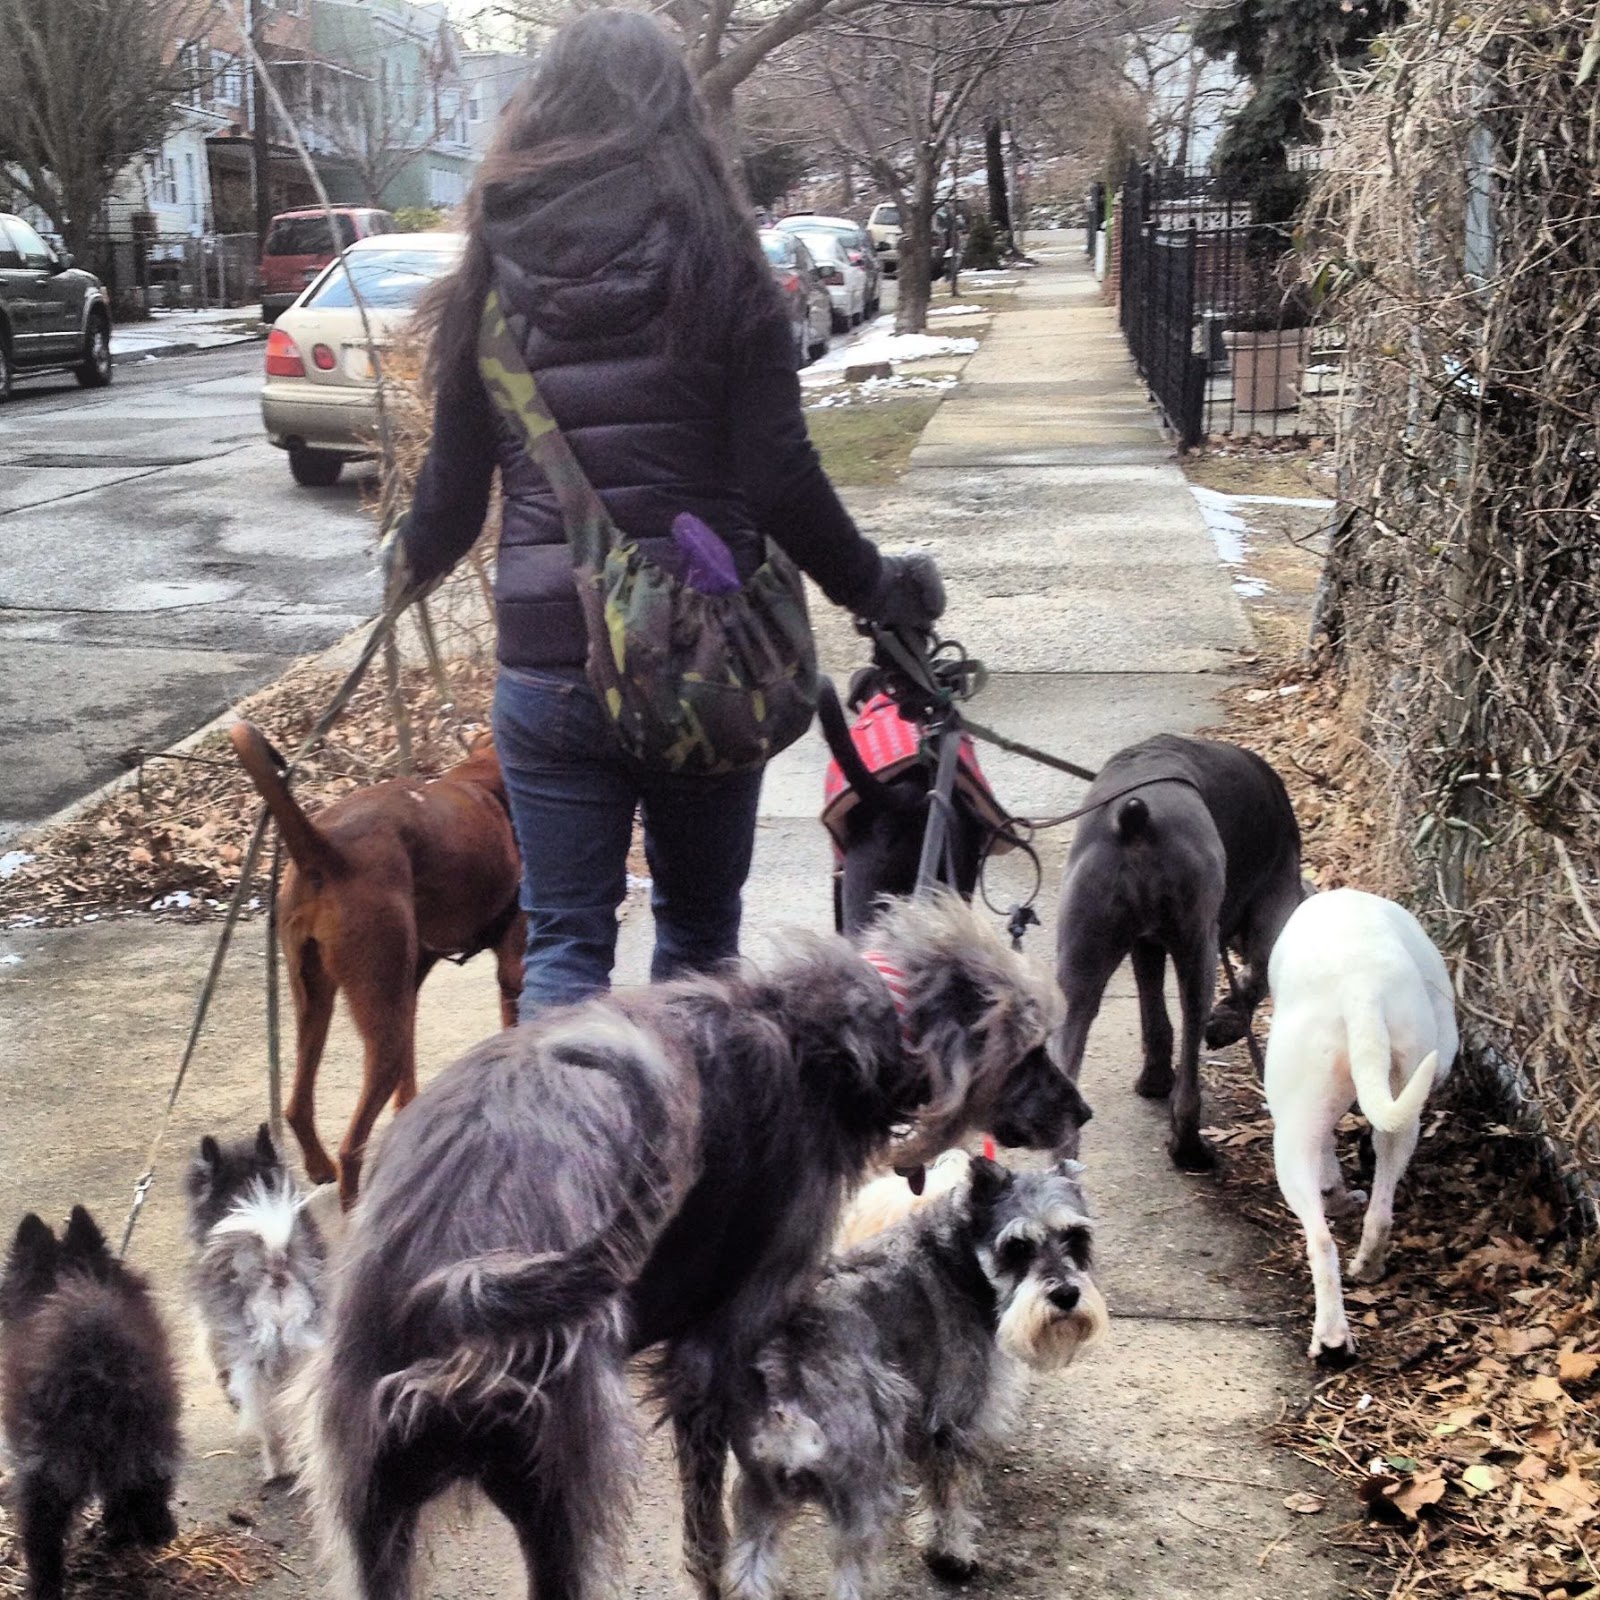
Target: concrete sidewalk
x=1080, y=571
x=176, y=333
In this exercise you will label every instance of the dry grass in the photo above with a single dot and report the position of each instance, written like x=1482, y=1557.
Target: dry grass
x=1467, y=1439
x=1468, y=623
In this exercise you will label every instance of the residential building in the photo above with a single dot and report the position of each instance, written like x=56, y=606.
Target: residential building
x=492, y=78
x=392, y=117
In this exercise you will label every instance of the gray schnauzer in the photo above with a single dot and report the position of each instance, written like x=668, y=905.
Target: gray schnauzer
x=662, y=1167
x=909, y=1358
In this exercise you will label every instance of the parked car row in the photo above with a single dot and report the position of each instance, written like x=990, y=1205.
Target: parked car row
x=801, y=288
x=320, y=399
x=884, y=230
x=859, y=255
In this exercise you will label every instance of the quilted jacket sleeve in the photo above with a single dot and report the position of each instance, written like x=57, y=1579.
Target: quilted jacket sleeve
x=452, y=493
x=781, y=476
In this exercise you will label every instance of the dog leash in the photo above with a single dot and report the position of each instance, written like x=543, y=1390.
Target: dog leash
x=1256, y=1059
x=946, y=675
x=247, y=870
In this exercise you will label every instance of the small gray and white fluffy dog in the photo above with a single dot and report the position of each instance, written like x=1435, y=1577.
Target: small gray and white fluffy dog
x=659, y=1167
x=256, y=1279
x=908, y=1360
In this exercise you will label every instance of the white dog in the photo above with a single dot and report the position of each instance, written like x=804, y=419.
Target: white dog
x=1362, y=1012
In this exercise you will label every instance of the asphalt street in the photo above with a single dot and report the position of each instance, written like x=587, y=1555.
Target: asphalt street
x=156, y=563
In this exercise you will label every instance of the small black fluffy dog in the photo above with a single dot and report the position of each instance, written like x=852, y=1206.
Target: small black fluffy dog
x=88, y=1395
x=1204, y=852
x=657, y=1167
x=880, y=838
x=909, y=1359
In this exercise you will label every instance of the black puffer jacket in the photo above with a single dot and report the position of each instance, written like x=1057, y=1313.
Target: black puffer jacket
x=718, y=430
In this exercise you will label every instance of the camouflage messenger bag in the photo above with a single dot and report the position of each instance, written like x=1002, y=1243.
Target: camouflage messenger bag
x=697, y=683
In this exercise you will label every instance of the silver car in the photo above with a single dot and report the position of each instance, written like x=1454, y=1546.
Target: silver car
x=858, y=246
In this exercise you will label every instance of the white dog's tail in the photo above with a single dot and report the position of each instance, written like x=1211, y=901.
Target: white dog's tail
x=1370, y=1059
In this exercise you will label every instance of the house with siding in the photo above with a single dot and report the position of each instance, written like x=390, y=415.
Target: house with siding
x=390, y=112
x=492, y=78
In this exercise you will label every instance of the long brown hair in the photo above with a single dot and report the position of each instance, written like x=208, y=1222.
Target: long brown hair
x=612, y=87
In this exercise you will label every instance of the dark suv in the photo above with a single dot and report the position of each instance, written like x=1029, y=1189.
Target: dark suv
x=52, y=314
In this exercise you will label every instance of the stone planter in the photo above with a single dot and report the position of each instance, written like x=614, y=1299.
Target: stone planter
x=1268, y=368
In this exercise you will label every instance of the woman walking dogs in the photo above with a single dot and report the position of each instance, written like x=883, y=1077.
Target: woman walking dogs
x=629, y=285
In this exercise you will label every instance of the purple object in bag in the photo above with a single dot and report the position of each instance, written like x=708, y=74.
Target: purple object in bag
x=707, y=561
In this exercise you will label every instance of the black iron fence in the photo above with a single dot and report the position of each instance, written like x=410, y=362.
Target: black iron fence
x=1224, y=340
x=149, y=271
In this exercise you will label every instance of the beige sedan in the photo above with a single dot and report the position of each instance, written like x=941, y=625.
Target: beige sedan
x=320, y=402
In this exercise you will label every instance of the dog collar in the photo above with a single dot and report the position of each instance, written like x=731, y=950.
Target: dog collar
x=894, y=980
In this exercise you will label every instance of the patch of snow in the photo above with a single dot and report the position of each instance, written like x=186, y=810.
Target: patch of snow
x=1310, y=503
x=957, y=311
x=883, y=344
x=1226, y=529
x=10, y=959
x=1250, y=588
x=874, y=389
x=13, y=861
x=178, y=900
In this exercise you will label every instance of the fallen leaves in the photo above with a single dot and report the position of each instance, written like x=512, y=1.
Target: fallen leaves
x=1577, y=1366
x=1468, y=1431
x=1305, y=1504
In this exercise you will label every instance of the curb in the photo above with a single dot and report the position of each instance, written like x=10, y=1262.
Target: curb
x=30, y=830
x=163, y=352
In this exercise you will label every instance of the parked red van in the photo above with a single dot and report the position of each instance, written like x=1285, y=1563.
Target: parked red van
x=300, y=244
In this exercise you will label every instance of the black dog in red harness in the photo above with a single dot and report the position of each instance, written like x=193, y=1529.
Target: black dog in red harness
x=878, y=792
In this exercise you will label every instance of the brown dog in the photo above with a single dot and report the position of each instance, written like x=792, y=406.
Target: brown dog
x=384, y=882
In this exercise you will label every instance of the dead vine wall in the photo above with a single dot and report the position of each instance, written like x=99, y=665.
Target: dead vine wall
x=1457, y=227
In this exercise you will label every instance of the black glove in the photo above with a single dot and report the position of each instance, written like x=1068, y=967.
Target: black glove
x=910, y=594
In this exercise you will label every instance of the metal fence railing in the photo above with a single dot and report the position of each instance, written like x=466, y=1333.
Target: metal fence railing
x=1223, y=345
x=149, y=271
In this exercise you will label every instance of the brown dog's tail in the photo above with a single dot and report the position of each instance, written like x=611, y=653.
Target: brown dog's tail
x=310, y=849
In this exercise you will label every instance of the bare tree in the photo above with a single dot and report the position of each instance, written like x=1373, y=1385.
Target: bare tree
x=85, y=86
x=379, y=128
x=381, y=120
x=904, y=78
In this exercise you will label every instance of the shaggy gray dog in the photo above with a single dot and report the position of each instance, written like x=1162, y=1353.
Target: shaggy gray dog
x=657, y=1168
x=257, y=1280
x=908, y=1361
x=90, y=1399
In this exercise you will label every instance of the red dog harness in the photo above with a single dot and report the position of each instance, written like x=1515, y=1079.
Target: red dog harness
x=894, y=980
x=888, y=743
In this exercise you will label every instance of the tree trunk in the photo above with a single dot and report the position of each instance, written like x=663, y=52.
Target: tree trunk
x=916, y=246
x=1186, y=122
x=995, y=160
x=847, y=182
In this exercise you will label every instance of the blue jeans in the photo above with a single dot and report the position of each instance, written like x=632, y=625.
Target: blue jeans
x=573, y=795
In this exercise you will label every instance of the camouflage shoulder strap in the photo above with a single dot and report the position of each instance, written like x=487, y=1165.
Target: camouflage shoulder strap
x=590, y=530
